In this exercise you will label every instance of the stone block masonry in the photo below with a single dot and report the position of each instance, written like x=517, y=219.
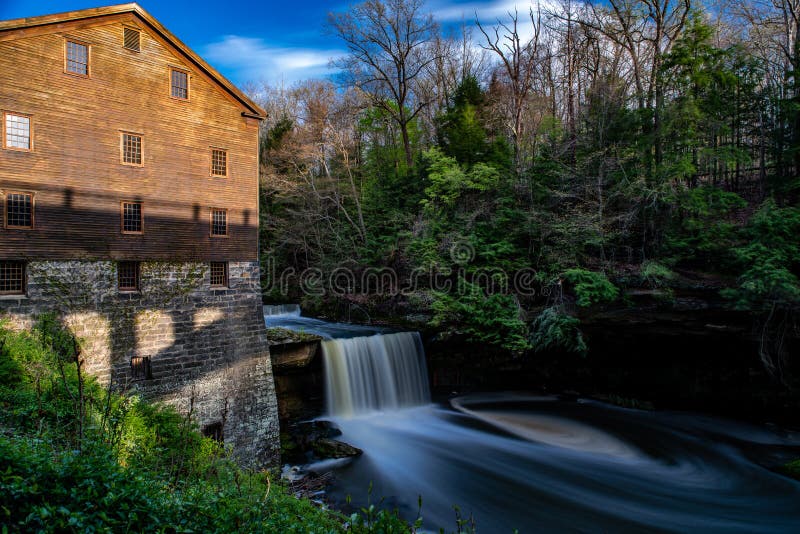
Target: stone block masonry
x=208, y=348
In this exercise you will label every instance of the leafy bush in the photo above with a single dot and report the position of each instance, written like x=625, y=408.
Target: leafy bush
x=656, y=274
x=138, y=467
x=591, y=287
x=555, y=330
x=768, y=261
x=702, y=231
x=492, y=318
x=47, y=490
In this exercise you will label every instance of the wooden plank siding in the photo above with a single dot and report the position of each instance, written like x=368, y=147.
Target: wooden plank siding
x=75, y=169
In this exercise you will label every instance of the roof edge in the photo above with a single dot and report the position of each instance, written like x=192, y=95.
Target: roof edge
x=134, y=8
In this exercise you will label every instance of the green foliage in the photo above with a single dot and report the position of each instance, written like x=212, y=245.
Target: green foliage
x=768, y=261
x=492, y=319
x=141, y=467
x=792, y=469
x=448, y=182
x=462, y=132
x=591, y=287
x=47, y=490
x=656, y=274
x=703, y=231
x=554, y=330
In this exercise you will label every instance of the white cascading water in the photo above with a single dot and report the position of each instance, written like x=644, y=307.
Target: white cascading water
x=273, y=310
x=375, y=373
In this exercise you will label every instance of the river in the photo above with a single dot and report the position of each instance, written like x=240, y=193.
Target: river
x=541, y=464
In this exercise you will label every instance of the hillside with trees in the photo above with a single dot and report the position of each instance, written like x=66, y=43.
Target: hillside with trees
x=543, y=165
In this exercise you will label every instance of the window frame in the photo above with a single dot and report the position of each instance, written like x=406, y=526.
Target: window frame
x=88, y=74
x=28, y=116
x=211, y=162
x=226, y=282
x=122, y=217
x=5, y=210
x=211, y=223
x=188, y=83
x=138, y=277
x=122, y=134
x=137, y=30
x=24, y=281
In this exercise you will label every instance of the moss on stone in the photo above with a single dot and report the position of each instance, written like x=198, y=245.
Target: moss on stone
x=280, y=336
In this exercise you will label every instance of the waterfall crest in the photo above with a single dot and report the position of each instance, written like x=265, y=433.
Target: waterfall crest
x=376, y=373
x=272, y=310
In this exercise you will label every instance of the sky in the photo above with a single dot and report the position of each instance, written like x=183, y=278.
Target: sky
x=272, y=41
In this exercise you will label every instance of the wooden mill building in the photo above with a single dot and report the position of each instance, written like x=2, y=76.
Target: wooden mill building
x=129, y=205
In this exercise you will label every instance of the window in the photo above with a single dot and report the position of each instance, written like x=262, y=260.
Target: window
x=128, y=275
x=19, y=210
x=219, y=222
x=77, y=58
x=132, y=220
x=219, y=162
x=131, y=149
x=132, y=39
x=179, y=82
x=17, y=131
x=140, y=368
x=12, y=277
x=219, y=274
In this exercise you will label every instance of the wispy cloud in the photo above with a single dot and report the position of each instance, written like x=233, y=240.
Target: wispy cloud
x=246, y=59
x=487, y=11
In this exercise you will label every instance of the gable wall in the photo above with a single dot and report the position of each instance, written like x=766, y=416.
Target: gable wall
x=75, y=170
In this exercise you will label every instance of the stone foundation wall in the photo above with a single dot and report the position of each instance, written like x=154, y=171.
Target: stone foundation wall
x=208, y=347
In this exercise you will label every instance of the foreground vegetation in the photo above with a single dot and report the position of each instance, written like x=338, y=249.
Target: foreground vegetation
x=77, y=457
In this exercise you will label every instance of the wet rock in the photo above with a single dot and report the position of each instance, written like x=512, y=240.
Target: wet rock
x=299, y=442
x=331, y=448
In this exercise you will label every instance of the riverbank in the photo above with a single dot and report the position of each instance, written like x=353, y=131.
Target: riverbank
x=78, y=457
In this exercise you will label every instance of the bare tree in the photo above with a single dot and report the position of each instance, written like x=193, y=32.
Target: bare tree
x=388, y=45
x=518, y=58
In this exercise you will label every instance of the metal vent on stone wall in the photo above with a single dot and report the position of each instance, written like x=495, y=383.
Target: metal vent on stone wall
x=140, y=368
x=132, y=39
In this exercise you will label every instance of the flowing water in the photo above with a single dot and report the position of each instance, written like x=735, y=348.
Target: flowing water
x=542, y=464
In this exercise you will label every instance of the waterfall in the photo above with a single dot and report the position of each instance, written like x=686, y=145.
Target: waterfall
x=281, y=309
x=381, y=372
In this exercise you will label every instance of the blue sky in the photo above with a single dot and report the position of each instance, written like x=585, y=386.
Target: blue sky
x=268, y=40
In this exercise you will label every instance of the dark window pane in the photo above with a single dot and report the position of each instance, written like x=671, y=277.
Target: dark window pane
x=12, y=277
x=128, y=272
x=219, y=274
x=219, y=222
x=19, y=210
x=131, y=217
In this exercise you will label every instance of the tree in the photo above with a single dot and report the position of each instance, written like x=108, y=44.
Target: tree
x=518, y=59
x=387, y=41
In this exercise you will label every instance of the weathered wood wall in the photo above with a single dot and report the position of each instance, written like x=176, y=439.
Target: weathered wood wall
x=74, y=169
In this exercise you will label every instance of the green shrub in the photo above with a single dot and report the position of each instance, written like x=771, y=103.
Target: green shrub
x=768, y=261
x=139, y=467
x=591, y=287
x=555, y=330
x=485, y=318
x=656, y=274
